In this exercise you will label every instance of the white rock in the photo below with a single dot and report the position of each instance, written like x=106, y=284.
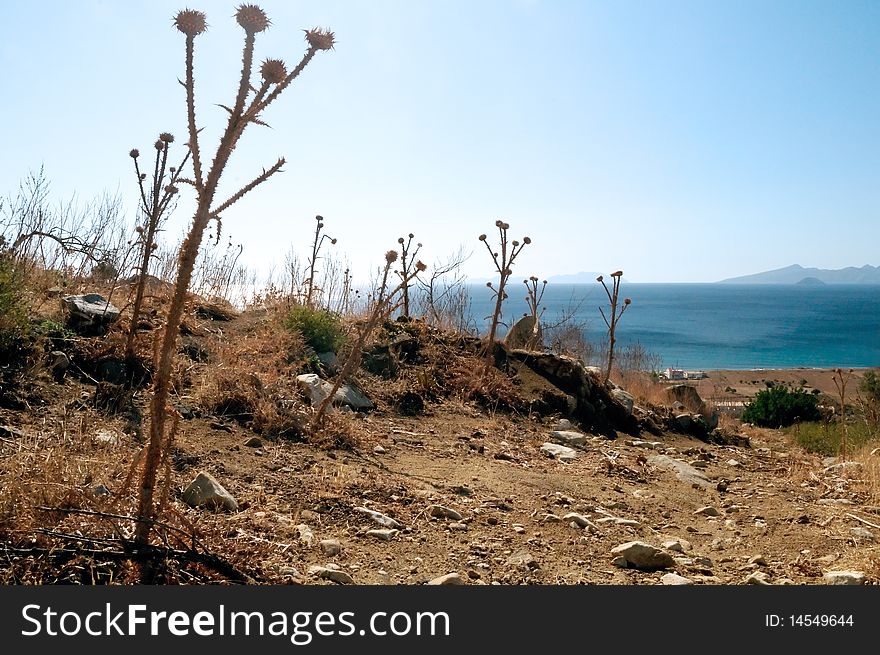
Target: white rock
x=346, y=395
x=862, y=534
x=562, y=453
x=844, y=577
x=683, y=472
x=448, y=579
x=206, y=491
x=677, y=545
x=385, y=534
x=306, y=535
x=643, y=556
x=570, y=437
x=441, y=512
x=379, y=517
x=675, y=579
x=327, y=573
x=330, y=547
x=379, y=450
x=758, y=578
x=708, y=510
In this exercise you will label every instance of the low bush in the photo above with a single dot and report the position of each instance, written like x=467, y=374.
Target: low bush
x=13, y=308
x=824, y=438
x=321, y=330
x=779, y=406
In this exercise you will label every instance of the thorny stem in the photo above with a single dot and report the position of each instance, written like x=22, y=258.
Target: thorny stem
x=191, y=113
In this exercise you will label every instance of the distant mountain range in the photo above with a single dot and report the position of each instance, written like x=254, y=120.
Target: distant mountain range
x=797, y=274
x=569, y=278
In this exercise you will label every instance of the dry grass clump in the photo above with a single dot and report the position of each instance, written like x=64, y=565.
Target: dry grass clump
x=471, y=380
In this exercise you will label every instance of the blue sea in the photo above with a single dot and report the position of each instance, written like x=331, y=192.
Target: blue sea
x=721, y=326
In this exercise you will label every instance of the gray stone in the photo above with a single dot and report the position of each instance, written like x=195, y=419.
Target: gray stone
x=379, y=450
x=90, y=313
x=758, y=560
x=330, y=547
x=844, y=578
x=441, y=512
x=254, y=442
x=683, y=471
x=379, y=518
x=674, y=579
x=100, y=490
x=564, y=424
x=570, y=437
x=758, y=578
x=843, y=467
x=329, y=360
x=562, y=453
x=448, y=579
x=385, y=534
x=346, y=395
x=59, y=363
x=306, y=535
x=687, y=395
x=206, y=491
x=862, y=534
x=106, y=437
x=677, y=545
x=327, y=573
x=708, y=510
x=624, y=399
x=642, y=556
x=523, y=560
x=525, y=333
x=581, y=520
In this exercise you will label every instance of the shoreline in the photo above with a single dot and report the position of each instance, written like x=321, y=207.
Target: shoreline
x=747, y=382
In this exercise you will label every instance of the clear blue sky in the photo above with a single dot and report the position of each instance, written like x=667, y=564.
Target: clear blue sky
x=676, y=140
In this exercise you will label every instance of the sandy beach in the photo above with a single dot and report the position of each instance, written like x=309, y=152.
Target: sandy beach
x=747, y=383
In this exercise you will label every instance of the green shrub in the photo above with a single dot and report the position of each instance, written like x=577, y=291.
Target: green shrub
x=779, y=406
x=13, y=308
x=870, y=386
x=321, y=330
x=825, y=438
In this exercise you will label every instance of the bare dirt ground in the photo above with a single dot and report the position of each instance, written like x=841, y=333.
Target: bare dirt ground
x=768, y=513
x=747, y=383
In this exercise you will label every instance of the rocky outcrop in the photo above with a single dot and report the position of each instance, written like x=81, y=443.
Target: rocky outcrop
x=346, y=395
x=592, y=403
x=525, y=333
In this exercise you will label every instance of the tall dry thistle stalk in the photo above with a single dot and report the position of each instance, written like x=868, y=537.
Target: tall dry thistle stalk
x=534, y=296
x=313, y=260
x=156, y=196
x=615, y=315
x=407, y=261
x=841, y=378
x=382, y=307
x=250, y=101
x=503, y=265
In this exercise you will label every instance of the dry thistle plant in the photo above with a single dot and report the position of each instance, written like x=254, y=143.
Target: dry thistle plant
x=503, y=265
x=250, y=101
x=156, y=197
x=533, y=299
x=407, y=261
x=841, y=378
x=615, y=314
x=313, y=260
x=382, y=306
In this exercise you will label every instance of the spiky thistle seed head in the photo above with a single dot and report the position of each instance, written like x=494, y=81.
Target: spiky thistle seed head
x=617, y=274
x=527, y=240
x=143, y=176
x=319, y=218
x=499, y=223
x=400, y=240
x=252, y=19
x=627, y=301
x=482, y=237
x=411, y=235
x=158, y=145
x=191, y=22
x=489, y=284
x=391, y=256
x=273, y=71
x=515, y=243
x=599, y=279
x=332, y=242
x=320, y=39
x=134, y=153
x=166, y=137
x=505, y=226
x=421, y=266
x=533, y=278
x=139, y=229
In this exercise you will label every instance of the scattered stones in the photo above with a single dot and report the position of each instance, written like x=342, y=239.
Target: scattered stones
x=328, y=573
x=683, y=472
x=205, y=491
x=642, y=556
x=330, y=547
x=254, y=442
x=448, y=579
x=385, y=534
x=379, y=518
x=708, y=510
x=570, y=437
x=844, y=578
x=650, y=445
x=379, y=450
x=562, y=453
x=441, y=512
x=675, y=580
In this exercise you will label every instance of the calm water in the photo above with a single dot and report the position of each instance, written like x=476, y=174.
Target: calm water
x=720, y=326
